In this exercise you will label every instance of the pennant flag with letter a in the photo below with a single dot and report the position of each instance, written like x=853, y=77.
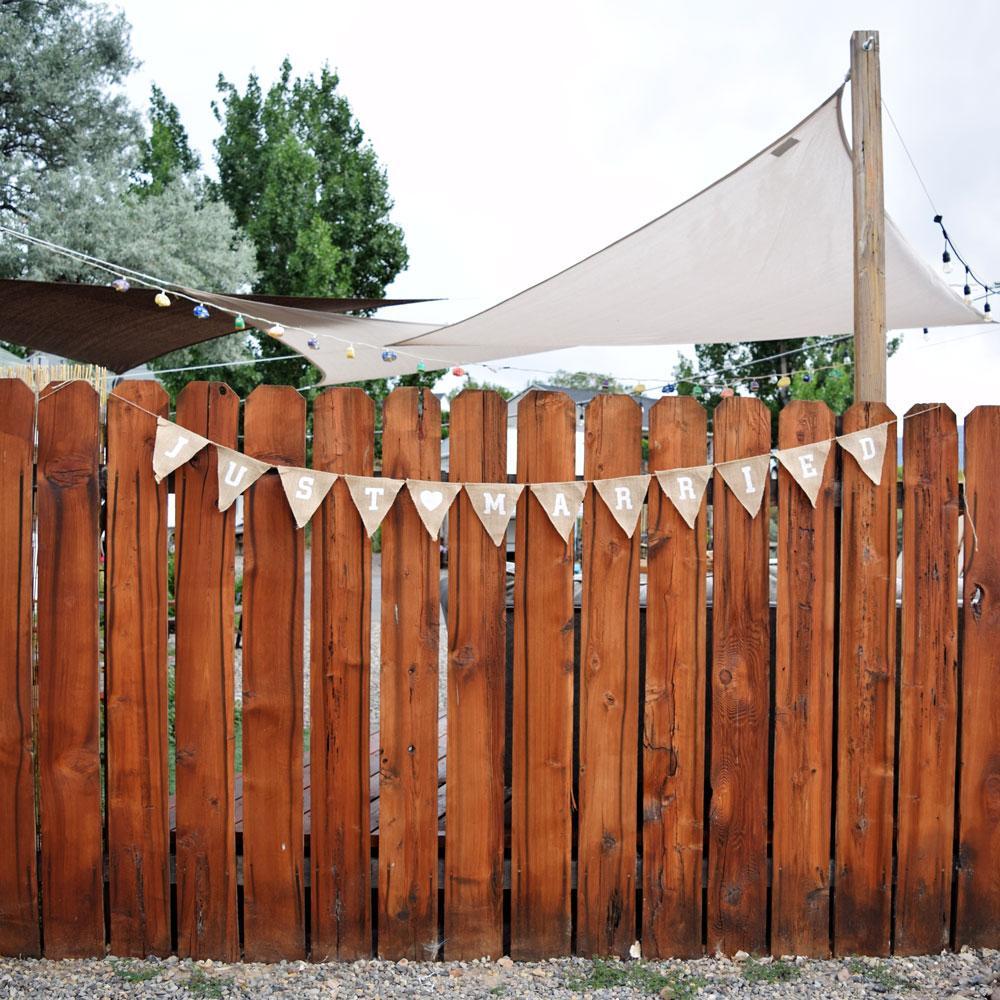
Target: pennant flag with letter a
x=305, y=489
x=174, y=445
x=624, y=497
x=432, y=498
x=806, y=465
x=561, y=501
x=747, y=478
x=373, y=497
x=686, y=489
x=237, y=473
x=494, y=504
x=868, y=448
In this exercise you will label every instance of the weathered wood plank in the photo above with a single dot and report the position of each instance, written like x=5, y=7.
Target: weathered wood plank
x=737, y=857
x=273, y=600
x=803, y=696
x=542, y=751
x=69, y=765
x=928, y=710
x=205, y=595
x=609, y=691
x=136, y=685
x=477, y=644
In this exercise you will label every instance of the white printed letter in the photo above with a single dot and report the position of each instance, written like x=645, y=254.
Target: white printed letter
x=560, y=506
x=867, y=448
x=746, y=470
x=808, y=463
x=494, y=504
x=373, y=493
x=177, y=448
x=685, y=488
x=623, y=498
x=234, y=477
x=305, y=490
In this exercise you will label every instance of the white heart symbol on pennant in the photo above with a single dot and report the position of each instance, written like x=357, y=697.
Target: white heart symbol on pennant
x=431, y=499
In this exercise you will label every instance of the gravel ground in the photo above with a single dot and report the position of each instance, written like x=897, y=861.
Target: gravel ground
x=968, y=974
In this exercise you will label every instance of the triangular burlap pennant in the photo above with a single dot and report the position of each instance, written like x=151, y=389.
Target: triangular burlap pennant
x=494, y=504
x=561, y=501
x=624, y=497
x=174, y=446
x=868, y=448
x=305, y=489
x=373, y=498
x=686, y=489
x=747, y=478
x=432, y=498
x=237, y=473
x=806, y=465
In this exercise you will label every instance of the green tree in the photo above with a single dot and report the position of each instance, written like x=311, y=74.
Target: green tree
x=165, y=154
x=471, y=383
x=586, y=380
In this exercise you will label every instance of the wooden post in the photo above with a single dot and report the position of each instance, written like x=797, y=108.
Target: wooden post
x=869, y=220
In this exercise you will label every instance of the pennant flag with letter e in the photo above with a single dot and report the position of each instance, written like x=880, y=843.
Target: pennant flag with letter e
x=868, y=448
x=494, y=504
x=237, y=473
x=305, y=490
x=561, y=501
x=806, y=465
x=685, y=488
x=624, y=497
x=174, y=445
x=432, y=498
x=373, y=497
x=747, y=478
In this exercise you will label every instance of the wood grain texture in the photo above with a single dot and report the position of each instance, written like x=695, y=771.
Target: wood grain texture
x=19, y=929
x=411, y=609
x=609, y=690
x=69, y=765
x=340, y=651
x=866, y=709
x=136, y=683
x=542, y=751
x=477, y=645
x=205, y=596
x=977, y=915
x=928, y=668
x=802, y=788
x=737, y=859
x=674, y=736
x=274, y=926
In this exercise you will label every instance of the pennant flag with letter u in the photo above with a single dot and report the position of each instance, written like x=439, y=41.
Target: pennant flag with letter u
x=237, y=473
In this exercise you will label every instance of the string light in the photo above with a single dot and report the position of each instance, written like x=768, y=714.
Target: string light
x=727, y=393
x=200, y=312
x=120, y=285
x=162, y=299
x=970, y=276
x=314, y=343
x=784, y=382
x=277, y=331
x=349, y=353
x=754, y=385
x=389, y=355
x=458, y=371
x=421, y=366
x=239, y=322
x=639, y=389
x=670, y=387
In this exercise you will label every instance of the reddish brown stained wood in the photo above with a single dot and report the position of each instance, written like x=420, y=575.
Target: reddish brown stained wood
x=803, y=696
x=928, y=710
x=977, y=915
x=72, y=861
x=136, y=684
x=205, y=594
x=673, y=739
x=737, y=857
x=411, y=608
x=866, y=721
x=340, y=651
x=477, y=643
x=542, y=751
x=19, y=930
x=609, y=691
x=273, y=598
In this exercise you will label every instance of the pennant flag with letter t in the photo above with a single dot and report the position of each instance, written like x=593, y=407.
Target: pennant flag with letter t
x=237, y=473
x=373, y=497
x=806, y=465
x=432, y=498
x=747, y=478
x=494, y=504
x=624, y=497
x=174, y=446
x=561, y=501
x=868, y=448
x=305, y=489
x=685, y=489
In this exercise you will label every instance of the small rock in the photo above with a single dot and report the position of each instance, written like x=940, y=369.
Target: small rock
x=506, y=962
x=741, y=956
x=844, y=975
x=455, y=973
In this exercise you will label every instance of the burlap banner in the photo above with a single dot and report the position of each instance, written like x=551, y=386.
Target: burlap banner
x=806, y=465
x=373, y=498
x=494, y=504
x=747, y=478
x=237, y=473
x=624, y=497
x=174, y=445
x=868, y=448
x=686, y=489
x=561, y=501
x=432, y=498
x=305, y=490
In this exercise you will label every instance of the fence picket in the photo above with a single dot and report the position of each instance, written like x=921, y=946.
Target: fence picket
x=273, y=601
x=477, y=648
x=205, y=597
x=19, y=931
x=866, y=679
x=69, y=765
x=803, y=697
x=136, y=683
x=340, y=657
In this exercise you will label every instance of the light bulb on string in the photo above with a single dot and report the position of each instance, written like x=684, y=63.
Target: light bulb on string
x=669, y=388
x=754, y=385
x=946, y=262
x=421, y=366
x=639, y=389
x=967, y=291
x=239, y=323
x=806, y=377
x=389, y=356
x=120, y=285
x=926, y=332
x=349, y=353
x=199, y=311
x=314, y=343
x=458, y=371
x=277, y=331
x=784, y=382
x=986, y=306
x=162, y=299
x=727, y=393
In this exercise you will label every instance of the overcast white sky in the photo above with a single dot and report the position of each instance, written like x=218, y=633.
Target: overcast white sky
x=520, y=137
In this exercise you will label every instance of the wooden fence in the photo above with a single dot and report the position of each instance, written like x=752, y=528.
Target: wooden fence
x=694, y=774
